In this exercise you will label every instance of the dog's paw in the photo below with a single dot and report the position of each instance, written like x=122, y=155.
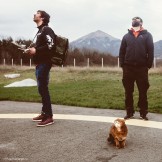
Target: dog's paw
x=118, y=146
x=122, y=147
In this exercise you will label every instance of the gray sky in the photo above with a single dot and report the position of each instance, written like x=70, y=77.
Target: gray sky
x=76, y=18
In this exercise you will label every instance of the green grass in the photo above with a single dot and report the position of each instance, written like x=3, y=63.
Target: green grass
x=87, y=87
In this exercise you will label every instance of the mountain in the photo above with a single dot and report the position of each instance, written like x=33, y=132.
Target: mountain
x=99, y=41
x=104, y=42
x=158, y=49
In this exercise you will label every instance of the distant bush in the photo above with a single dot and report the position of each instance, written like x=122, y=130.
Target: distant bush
x=9, y=51
x=95, y=58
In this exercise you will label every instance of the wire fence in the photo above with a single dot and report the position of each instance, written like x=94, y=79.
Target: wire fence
x=156, y=63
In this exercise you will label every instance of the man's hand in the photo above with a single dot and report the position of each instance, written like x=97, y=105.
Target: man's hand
x=31, y=51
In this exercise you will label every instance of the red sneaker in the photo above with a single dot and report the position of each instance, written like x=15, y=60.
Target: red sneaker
x=39, y=118
x=45, y=122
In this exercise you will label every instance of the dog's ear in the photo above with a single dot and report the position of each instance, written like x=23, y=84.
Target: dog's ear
x=123, y=122
x=124, y=127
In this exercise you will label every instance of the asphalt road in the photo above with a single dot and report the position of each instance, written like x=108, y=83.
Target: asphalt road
x=72, y=140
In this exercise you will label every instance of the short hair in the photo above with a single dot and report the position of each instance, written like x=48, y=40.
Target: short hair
x=134, y=18
x=45, y=16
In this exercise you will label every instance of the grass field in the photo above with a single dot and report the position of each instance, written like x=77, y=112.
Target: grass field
x=88, y=87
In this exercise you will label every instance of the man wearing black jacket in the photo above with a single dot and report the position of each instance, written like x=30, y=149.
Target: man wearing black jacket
x=41, y=57
x=136, y=57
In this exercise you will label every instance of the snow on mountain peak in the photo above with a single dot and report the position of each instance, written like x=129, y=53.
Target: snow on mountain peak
x=98, y=40
x=101, y=34
x=97, y=34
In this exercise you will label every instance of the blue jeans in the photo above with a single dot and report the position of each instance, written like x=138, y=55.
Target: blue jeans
x=42, y=75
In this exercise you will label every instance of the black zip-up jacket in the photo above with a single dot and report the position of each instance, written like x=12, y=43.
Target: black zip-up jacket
x=138, y=51
x=44, y=43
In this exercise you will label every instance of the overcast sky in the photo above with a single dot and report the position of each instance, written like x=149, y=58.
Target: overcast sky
x=76, y=18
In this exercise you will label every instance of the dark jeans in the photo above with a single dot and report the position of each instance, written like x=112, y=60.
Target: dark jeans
x=42, y=75
x=140, y=76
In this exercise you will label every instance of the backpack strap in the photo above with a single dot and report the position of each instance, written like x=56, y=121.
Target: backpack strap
x=33, y=39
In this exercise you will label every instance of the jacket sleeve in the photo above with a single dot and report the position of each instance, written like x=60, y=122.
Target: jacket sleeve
x=122, y=51
x=48, y=39
x=150, y=50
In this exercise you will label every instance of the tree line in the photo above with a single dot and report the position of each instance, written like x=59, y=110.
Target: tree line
x=9, y=51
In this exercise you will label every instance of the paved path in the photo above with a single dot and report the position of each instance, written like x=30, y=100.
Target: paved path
x=78, y=135
x=105, y=119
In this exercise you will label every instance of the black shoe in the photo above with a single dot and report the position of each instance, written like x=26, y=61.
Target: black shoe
x=144, y=117
x=128, y=116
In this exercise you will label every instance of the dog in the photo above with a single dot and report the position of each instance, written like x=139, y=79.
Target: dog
x=118, y=133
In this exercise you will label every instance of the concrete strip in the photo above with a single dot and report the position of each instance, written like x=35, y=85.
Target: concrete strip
x=133, y=122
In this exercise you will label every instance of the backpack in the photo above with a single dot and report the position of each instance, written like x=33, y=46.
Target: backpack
x=60, y=50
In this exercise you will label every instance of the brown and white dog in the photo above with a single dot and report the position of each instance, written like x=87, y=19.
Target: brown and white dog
x=118, y=133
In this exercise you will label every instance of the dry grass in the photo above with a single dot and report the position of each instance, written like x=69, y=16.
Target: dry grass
x=72, y=69
x=16, y=67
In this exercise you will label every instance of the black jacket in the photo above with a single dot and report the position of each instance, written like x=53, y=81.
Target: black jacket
x=44, y=43
x=137, y=51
